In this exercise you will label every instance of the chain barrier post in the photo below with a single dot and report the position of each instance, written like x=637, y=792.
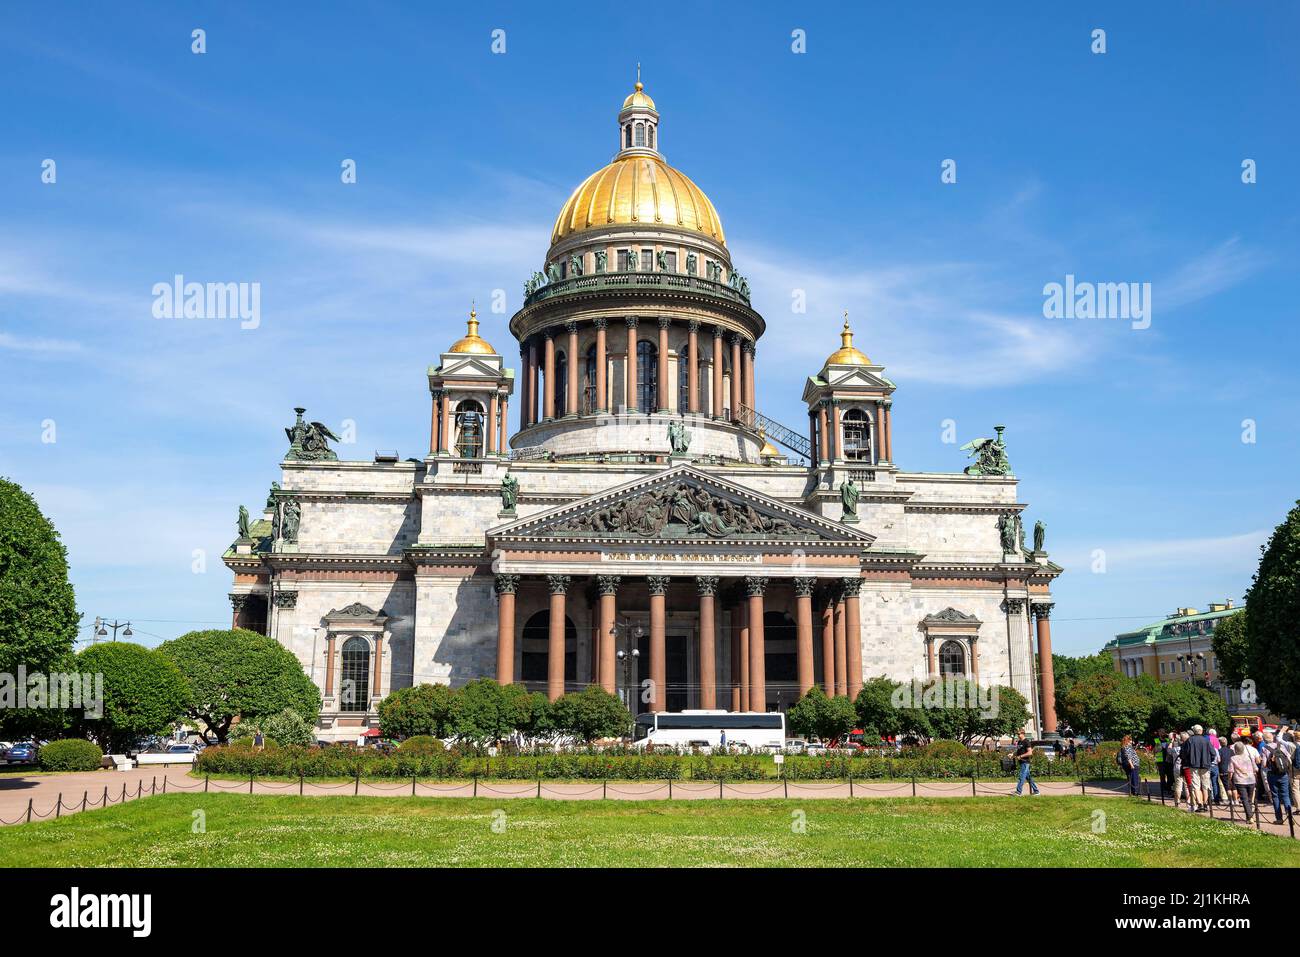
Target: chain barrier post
x=205, y=784
x=913, y=785
x=123, y=791
x=356, y=785
x=105, y=795
x=85, y=795
x=1290, y=822
x=250, y=782
x=301, y=783
x=850, y=785
x=58, y=806
x=670, y=789
x=972, y=784
x=29, y=810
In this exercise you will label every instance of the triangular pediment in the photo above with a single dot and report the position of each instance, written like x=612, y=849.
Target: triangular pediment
x=469, y=366
x=682, y=504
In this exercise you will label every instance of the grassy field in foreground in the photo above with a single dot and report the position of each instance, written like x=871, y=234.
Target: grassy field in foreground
x=264, y=831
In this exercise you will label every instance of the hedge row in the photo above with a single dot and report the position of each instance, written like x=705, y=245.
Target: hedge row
x=345, y=762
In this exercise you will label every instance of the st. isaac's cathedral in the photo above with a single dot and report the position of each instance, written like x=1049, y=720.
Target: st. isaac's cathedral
x=640, y=530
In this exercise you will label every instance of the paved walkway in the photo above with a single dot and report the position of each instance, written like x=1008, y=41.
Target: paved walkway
x=53, y=795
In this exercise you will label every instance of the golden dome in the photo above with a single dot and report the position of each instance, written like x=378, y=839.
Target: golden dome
x=634, y=190
x=768, y=450
x=472, y=342
x=846, y=354
x=638, y=99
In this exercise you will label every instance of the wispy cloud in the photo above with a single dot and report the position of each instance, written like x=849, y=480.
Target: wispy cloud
x=1209, y=273
x=38, y=346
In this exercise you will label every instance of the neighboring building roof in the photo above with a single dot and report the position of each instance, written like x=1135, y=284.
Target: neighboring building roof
x=1177, y=627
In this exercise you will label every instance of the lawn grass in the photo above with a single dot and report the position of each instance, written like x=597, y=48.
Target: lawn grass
x=269, y=831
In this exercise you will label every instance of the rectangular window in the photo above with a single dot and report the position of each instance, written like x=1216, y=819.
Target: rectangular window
x=670, y=262
x=647, y=260
x=623, y=260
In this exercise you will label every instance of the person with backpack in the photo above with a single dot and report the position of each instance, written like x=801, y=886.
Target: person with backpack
x=1197, y=758
x=1161, y=742
x=1128, y=759
x=1276, y=759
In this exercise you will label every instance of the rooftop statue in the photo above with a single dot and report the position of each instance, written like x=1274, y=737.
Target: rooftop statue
x=243, y=523
x=849, y=495
x=990, y=455
x=308, y=441
x=679, y=438
x=1040, y=533
x=509, y=492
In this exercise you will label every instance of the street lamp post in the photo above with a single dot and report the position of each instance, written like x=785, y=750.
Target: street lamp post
x=102, y=626
x=632, y=632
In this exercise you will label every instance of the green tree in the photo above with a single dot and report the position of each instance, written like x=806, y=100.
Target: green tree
x=144, y=692
x=1177, y=705
x=1067, y=670
x=1230, y=646
x=38, y=610
x=529, y=714
x=817, y=716
x=485, y=712
x=240, y=674
x=1010, y=713
x=285, y=728
x=590, y=714
x=1273, y=619
x=419, y=709
x=1109, y=704
x=877, y=715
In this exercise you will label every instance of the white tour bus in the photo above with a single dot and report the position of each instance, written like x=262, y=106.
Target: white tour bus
x=705, y=729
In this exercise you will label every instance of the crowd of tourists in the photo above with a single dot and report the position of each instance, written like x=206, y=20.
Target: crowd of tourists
x=1202, y=767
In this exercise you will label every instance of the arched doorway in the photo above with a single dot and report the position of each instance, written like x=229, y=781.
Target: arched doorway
x=535, y=647
x=780, y=657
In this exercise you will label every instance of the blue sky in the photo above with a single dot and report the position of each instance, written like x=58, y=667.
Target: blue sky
x=825, y=167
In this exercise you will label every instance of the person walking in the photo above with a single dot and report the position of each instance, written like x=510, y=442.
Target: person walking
x=1159, y=746
x=1242, y=770
x=1261, y=779
x=1174, y=763
x=1225, y=773
x=1276, y=760
x=1197, y=760
x=1024, y=755
x=1216, y=746
x=1131, y=763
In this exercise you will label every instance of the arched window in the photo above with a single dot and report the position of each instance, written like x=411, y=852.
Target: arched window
x=354, y=688
x=857, y=435
x=650, y=135
x=952, y=658
x=639, y=135
x=647, y=376
x=561, y=384
x=535, y=646
x=589, y=381
x=469, y=429
x=627, y=135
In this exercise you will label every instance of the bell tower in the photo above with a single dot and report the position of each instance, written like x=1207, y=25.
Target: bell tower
x=638, y=123
x=471, y=390
x=849, y=404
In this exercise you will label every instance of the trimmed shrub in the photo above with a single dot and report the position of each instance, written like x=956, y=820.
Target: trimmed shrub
x=421, y=744
x=71, y=754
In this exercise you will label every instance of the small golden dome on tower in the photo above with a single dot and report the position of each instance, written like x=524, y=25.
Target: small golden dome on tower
x=846, y=354
x=639, y=100
x=472, y=342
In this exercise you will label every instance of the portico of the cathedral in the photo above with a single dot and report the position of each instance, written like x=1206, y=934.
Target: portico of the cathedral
x=638, y=530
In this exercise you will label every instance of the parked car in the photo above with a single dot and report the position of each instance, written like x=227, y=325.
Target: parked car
x=22, y=753
x=175, y=754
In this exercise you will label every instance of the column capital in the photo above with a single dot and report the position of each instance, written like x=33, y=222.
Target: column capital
x=571, y=326
x=558, y=584
x=850, y=587
x=238, y=600
x=1015, y=605
x=803, y=587
x=658, y=584
x=665, y=322
x=548, y=333
x=1042, y=609
x=631, y=321
x=707, y=585
x=608, y=584
x=600, y=323
x=735, y=338
x=747, y=347
x=755, y=586
x=506, y=584
x=693, y=325
x=718, y=332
